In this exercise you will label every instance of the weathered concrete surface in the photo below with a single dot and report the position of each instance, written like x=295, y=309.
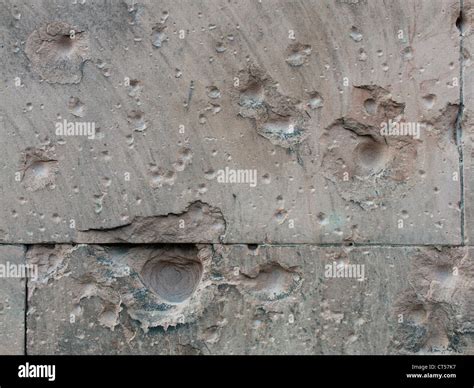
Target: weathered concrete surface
x=466, y=138
x=183, y=173
x=12, y=301
x=294, y=90
x=247, y=300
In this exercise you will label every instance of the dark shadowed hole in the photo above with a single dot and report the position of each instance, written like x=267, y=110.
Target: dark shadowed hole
x=461, y=23
x=65, y=42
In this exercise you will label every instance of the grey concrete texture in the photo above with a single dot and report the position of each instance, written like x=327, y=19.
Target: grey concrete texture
x=237, y=177
x=12, y=300
x=246, y=300
x=296, y=91
x=467, y=122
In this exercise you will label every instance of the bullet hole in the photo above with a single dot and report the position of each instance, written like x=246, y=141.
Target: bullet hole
x=134, y=88
x=39, y=170
x=213, y=92
x=252, y=94
x=362, y=56
x=297, y=54
x=278, y=118
x=174, y=279
x=109, y=317
x=370, y=106
x=416, y=314
x=461, y=24
x=443, y=273
x=161, y=177
x=271, y=282
x=322, y=219
x=358, y=155
x=407, y=54
x=315, y=100
x=137, y=120
x=252, y=97
x=280, y=216
x=220, y=47
x=210, y=174
x=76, y=107
x=57, y=52
x=186, y=153
x=65, y=44
x=429, y=101
x=266, y=178
x=433, y=300
x=279, y=127
x=355, y=35
x=371, y=155
x=158, y=37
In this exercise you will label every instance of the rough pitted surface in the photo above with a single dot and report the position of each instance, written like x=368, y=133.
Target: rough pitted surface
x=155, y=286
x=170, y=98
x=237, y=177
x=276, y=117
x=198, y=223
x=57, y=52
x=410, y=301
x=12, y=304
x=173, y=279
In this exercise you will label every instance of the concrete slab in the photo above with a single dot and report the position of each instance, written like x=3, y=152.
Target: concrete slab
x=188, y=103
x=12, y=299
x=251, y=300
